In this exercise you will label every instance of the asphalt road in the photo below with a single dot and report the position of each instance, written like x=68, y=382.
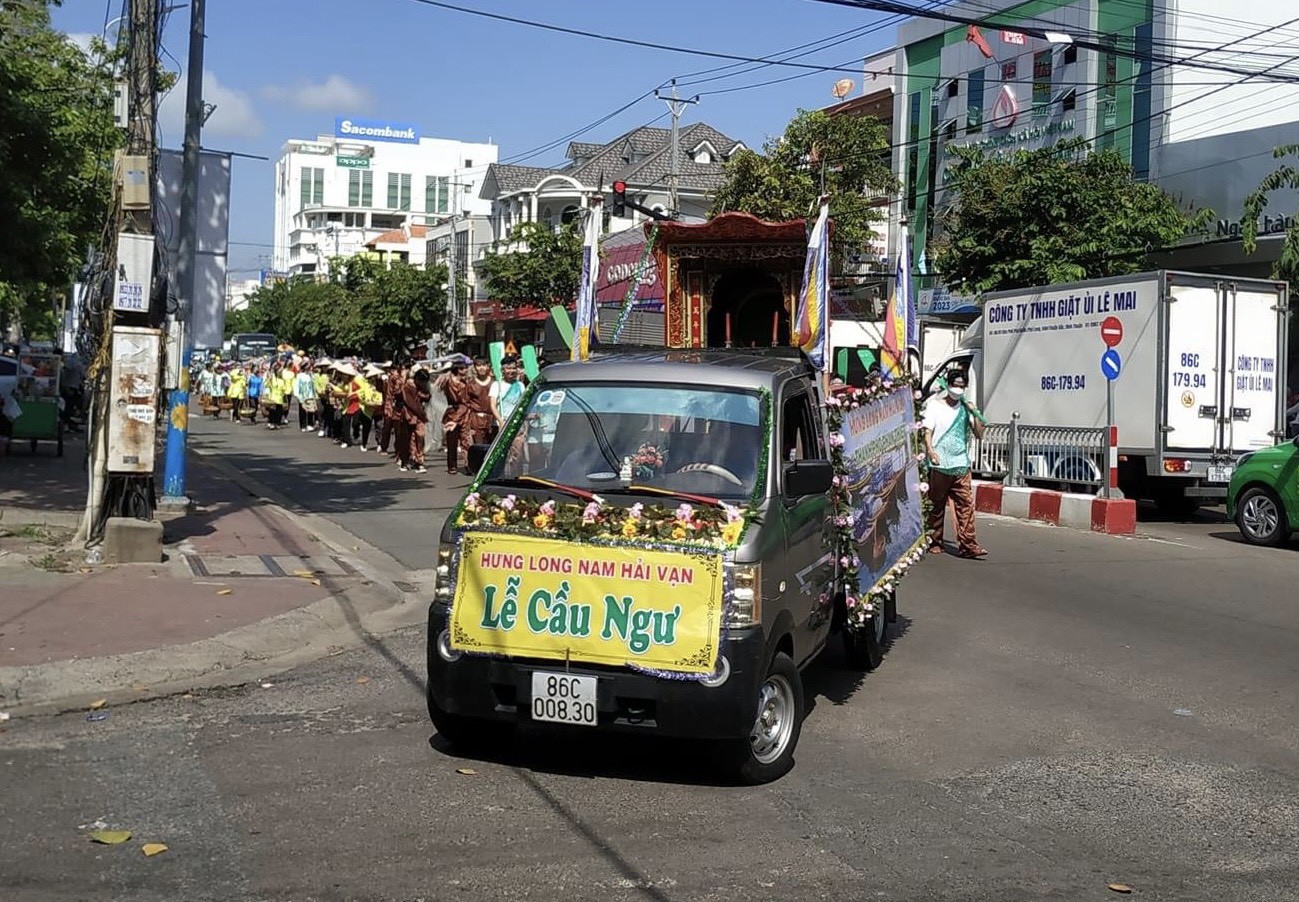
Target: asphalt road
x=1075, y=711
x=362, y=491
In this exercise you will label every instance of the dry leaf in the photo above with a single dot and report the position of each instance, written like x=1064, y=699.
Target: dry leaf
x=110, y=837
x=86, y=569
x=224, y=591
x=151, y=849
x=303, y=574
x=1121, y=888
x=467, y=771
x=315, y=582
x=140, y=687
x=96, y=705
x=363, y=680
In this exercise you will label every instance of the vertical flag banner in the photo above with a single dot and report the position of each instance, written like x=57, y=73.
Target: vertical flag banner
x=586, y=315
x=811, y=325
x=902, y=325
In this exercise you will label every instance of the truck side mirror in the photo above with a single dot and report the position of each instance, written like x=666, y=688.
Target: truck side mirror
x=808, y=477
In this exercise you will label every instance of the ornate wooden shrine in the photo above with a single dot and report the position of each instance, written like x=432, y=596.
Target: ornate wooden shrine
x=731, y=280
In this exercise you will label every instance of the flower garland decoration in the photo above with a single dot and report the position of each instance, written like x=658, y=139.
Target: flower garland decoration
x=706, y=526
x=841, y=541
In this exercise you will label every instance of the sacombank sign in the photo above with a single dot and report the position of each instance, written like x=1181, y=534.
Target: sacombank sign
x=369, y=129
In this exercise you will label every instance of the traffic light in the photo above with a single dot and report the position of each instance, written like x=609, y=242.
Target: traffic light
x=619, y=199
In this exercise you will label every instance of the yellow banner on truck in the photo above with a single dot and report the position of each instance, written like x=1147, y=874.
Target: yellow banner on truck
x=542, y=598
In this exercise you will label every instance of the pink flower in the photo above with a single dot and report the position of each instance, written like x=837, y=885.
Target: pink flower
x=548, y=508
x=837, y=482
x=636, y=510
x=507, y=503
x=685, y=513
x=850, y=601
x=832, y=401
x=845, y=561
x=836, y=440
x=591, y=512
x=733, y=513
x=471, y=501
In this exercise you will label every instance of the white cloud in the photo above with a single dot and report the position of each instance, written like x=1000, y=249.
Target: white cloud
x=81, y=39
x=333, y=95
x=234, y=116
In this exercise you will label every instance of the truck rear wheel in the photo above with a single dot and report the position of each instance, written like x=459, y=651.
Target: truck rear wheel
x=864, y=648
x=767, y=753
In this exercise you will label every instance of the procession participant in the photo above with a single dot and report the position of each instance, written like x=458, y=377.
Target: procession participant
x=410, y=437
x=320, y=381
x=479, y=424
x=238, y=392
x=453, y=389
x=256, y=385
x=949, y=419
x=304, y=389
x=505, y=396
x=392, y=401
x=274, y=393
x=436, y=407
x=288, y=381
x=207, y=390
x=371, y=399
x=349, y=402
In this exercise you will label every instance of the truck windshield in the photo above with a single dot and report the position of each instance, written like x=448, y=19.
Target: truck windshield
x=592, y=436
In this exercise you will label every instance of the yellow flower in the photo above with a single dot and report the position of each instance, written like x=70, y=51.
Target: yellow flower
x=629, y=528
x=678, y=533
x=541, y=521
x=731, y=532
x=462, y=520
x=498, y=518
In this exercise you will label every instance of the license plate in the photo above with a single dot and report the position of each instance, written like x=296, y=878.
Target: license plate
x=1220, y=474
x=564, y=698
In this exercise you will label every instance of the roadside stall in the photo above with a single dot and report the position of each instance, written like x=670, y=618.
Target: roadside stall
x=37, y=395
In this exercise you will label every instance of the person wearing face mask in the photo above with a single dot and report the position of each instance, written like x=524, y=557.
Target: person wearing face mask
x=949, y=419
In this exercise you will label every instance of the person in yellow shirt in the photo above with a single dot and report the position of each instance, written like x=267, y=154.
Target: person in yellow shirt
x=238, y=392
x=275, y=395
x=321, y=383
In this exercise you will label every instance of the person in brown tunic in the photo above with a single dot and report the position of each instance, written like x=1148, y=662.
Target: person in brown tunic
x=410, y=434
x=392, y=386
x=453, y=389
x=479, y=426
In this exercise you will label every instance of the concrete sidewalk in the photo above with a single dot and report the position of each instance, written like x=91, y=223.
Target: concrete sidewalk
x=247, y=589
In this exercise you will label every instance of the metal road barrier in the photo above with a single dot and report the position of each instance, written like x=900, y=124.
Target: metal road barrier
x=1076, y=458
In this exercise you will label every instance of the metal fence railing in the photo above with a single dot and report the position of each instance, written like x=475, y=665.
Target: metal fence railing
x=1074, y=457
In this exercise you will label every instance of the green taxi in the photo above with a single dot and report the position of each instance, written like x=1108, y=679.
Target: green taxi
x=1263, y=497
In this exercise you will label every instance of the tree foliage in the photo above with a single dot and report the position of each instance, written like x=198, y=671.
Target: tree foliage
x=535, y=266
x=1057, y=214
x=846, y=157
x=1284, y=178
x=364, y=307
x=56, y=148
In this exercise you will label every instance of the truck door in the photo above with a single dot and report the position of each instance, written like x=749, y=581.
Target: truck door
x=1254, y=388
x=808, y=568
x=1194, y=378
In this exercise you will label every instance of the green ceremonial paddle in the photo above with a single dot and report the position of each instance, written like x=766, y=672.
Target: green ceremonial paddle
x=496, y=350
x=531, y=367
x=563, y=324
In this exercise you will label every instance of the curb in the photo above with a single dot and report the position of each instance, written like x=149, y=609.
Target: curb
x=390, y=598
x=1116, y=517
x=32, y=516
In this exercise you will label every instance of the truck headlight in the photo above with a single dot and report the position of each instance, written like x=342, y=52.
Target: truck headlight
x=745, y=607
x=442, y=585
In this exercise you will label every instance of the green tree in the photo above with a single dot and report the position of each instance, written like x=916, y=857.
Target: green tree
x=56, y=148
x=1284, y=178
x=535, y=266
x=1057, y=214
x=846, y=157
x=393, y=308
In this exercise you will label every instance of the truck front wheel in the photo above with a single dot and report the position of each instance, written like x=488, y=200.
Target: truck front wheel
x=768, y=752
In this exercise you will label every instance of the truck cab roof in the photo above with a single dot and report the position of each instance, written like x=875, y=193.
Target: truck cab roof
x=752, y=368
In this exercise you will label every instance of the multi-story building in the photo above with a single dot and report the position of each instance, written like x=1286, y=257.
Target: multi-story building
x=238, y=292
x=1166, y=83
x=336, y=193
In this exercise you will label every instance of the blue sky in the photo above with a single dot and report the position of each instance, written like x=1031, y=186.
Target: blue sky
x=280, y=69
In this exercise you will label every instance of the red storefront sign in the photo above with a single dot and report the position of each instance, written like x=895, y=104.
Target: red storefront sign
x=618, y=267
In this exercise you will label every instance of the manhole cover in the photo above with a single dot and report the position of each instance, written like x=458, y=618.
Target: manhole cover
x=266, y=565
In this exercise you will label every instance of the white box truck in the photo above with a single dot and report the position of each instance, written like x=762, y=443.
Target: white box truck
x=1201, y=380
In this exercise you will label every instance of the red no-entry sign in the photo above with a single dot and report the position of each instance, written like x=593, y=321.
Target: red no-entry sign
x=1112, y=331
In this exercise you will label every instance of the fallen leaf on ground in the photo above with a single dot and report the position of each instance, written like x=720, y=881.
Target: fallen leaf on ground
x=1120, y=888
x=110, y=837
x=139, y=687
x=225, y=591
x=267, y=685
x=315, y=582
x=363, y=680
x=303, y=574
x=466, y=771
x=151, y=849
x=96, y=705
x=86, y=569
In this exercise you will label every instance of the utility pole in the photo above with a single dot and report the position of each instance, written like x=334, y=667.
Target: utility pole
x=675, y=105
x=173, y=482
x=453, y=293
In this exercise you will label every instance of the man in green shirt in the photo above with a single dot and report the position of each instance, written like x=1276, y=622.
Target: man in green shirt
x=949, y=419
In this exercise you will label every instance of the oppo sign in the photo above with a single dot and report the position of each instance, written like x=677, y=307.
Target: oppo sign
x=374, y=130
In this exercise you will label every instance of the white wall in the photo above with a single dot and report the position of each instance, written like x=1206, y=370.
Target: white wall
x=1203, y=103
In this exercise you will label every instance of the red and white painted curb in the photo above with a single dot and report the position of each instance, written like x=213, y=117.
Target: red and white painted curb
x=1116, y=517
